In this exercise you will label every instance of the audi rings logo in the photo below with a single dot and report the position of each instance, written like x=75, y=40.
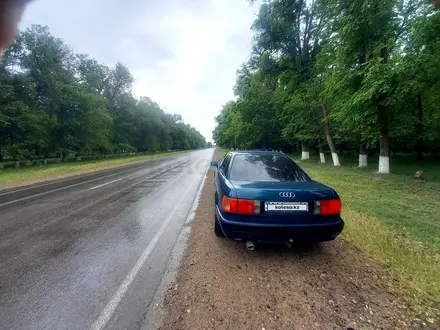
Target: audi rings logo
x=287, y=194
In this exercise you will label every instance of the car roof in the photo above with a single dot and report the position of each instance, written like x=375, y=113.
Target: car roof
x=257, y=152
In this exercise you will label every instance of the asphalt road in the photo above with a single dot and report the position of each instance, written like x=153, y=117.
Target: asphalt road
x=89, y=252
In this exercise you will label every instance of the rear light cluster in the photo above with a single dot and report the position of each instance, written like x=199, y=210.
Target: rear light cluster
x=327, y=207
x=240, y=206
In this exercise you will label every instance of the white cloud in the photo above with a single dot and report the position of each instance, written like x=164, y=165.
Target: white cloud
x=182, y=53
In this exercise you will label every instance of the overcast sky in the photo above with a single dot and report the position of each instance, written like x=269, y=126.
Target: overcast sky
x=182, y=53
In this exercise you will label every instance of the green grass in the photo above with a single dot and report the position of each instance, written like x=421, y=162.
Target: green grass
x=26, y=174
x=394, y=218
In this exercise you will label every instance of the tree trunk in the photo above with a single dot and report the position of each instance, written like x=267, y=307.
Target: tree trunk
x=328, y=135
x=363, y=157
x=321, y=155
x=304, y=151
x=419, y=146
x=37, y=150
x=64, y=156
x=340, y=150
x=384, y=156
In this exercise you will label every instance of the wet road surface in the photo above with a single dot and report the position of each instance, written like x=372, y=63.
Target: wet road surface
x=91, y=256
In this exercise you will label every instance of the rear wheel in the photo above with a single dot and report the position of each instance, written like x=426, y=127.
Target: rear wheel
x=217, y=229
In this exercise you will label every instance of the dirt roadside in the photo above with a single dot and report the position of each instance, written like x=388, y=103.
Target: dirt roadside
x=332, y=286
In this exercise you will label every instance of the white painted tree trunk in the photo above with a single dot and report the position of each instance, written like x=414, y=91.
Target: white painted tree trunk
x=384, y=164
x=335, y=158
x=328, y=134
x=363, y=160
x=322, y=157
x=384, y=155
x=305, y=155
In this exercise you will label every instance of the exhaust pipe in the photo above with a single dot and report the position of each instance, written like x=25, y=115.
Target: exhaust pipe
x=250, y=246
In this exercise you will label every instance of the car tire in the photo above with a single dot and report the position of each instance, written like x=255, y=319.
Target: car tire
x=217, y=229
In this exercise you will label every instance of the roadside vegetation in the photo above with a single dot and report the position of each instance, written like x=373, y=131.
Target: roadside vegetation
x=17, y=176
x=394, y=218
x=339, y=75
x=59, y=104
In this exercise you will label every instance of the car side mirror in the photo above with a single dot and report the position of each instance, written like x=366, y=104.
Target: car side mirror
x=214, y=164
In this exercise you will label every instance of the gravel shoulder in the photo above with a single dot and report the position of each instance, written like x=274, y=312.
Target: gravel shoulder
x=221, y=285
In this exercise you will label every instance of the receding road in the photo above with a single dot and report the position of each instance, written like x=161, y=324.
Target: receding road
x=89, y=252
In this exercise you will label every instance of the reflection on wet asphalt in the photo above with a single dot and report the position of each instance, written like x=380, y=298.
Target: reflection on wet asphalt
x=64, y=255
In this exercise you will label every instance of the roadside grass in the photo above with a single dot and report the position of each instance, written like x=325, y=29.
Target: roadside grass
x=26, y=174
x=224, y=151
x=394, y=218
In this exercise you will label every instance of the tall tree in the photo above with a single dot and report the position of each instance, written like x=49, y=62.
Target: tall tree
x=57, y=103
x=362, y=74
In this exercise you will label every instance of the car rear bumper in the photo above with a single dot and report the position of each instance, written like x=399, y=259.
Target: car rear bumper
x=279, y=233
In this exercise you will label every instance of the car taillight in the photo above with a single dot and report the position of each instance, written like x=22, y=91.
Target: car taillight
x=327, y=207
x=240, y=206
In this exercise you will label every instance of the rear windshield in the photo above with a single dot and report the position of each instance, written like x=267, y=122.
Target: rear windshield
x=272, y=168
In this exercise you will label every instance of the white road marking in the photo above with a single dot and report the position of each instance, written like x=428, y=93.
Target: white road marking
x=35, y=186
x=5, y=242
x=69, y=179
x=58, y=189
x=192, y=212
x=104, y=184
x=155, y=316
x=46, y=192
x=113, y=303
x=62, y=188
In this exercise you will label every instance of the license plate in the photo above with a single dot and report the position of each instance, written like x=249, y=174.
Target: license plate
x=286, y=206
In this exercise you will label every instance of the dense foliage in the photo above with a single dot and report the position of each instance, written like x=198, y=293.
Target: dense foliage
x=339, y=74
x=55, y=103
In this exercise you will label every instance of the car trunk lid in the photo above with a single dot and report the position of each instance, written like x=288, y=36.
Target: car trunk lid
x=270, y=191
x=285, y=201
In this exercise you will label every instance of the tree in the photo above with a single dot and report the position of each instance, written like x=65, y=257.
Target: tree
x=57, y=103
x=420, y=70
x=361, y=74
x=366, y=71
